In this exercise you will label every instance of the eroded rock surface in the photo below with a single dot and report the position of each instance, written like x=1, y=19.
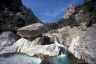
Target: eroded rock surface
x=7, y=39
x=82, y=44
x=85, y=47
x=26, y=47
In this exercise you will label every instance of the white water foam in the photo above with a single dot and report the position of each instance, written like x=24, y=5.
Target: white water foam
x=62, y=58
x=60, y=45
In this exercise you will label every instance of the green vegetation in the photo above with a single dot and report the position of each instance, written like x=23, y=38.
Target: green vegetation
x=61, y=23
x=91, y=5
x=87, y=7
x=30, y=21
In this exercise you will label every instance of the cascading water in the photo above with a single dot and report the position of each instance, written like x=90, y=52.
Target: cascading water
x=61, y=59
x=64, y=51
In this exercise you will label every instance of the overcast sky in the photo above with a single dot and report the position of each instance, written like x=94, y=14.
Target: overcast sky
x=50, y=10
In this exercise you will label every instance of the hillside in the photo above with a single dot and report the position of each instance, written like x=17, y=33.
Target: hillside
x=83, y=15
x=14, y=14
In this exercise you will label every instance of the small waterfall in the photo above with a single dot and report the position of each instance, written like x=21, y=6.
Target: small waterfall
x=64, y=48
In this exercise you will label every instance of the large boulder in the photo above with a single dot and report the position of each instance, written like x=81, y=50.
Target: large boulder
x=27, y=47
x=7, y=39
x=33, y=30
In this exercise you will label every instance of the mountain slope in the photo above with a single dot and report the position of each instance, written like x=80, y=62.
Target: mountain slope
x=83, y=15
x=14, y=14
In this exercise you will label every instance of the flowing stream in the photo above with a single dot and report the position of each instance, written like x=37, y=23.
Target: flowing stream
x=61, y=59
x=64, y=48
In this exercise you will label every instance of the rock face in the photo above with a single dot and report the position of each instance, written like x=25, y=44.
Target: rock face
x=81, y=44
x=7, y=39
x=11, y=61
x=82, y=19
x=69, y=12
x=26, y=42
x=33, y=30
x=12, y=47
x=26, y=47
x=65, y=34
x=31, y=47
x=85, y=47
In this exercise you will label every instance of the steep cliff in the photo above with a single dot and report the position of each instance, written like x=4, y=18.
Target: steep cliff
x=14, y=14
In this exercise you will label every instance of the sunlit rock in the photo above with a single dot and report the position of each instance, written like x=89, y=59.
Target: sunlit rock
x=84, y=47
x=30, y=48
x=33, y=30
x=69, y=11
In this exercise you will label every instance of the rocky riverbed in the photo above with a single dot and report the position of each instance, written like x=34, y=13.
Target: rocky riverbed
x=80, y=44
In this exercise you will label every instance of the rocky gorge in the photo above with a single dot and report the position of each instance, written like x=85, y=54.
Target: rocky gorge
x=40, y=43
x=31, y=45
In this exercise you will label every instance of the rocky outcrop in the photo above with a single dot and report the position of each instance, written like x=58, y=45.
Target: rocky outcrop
x=7, y=39
x=82, y=15
x=12, y=61
x=82, y=19
x=30, y=47
x=84, y=47
x=65, y=34
x=27, y=47
x=8, y=45
x=33, y=30
x=30, y=43
x=41, y=51
x=69, y=12
x=81, y=44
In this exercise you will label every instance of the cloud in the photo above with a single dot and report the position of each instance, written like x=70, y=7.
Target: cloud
x=55, y=12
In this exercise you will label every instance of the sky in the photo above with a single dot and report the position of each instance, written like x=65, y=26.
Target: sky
x=50, y=10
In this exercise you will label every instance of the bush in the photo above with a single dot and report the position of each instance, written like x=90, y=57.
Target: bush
x=19, y=23
x=29, y=21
